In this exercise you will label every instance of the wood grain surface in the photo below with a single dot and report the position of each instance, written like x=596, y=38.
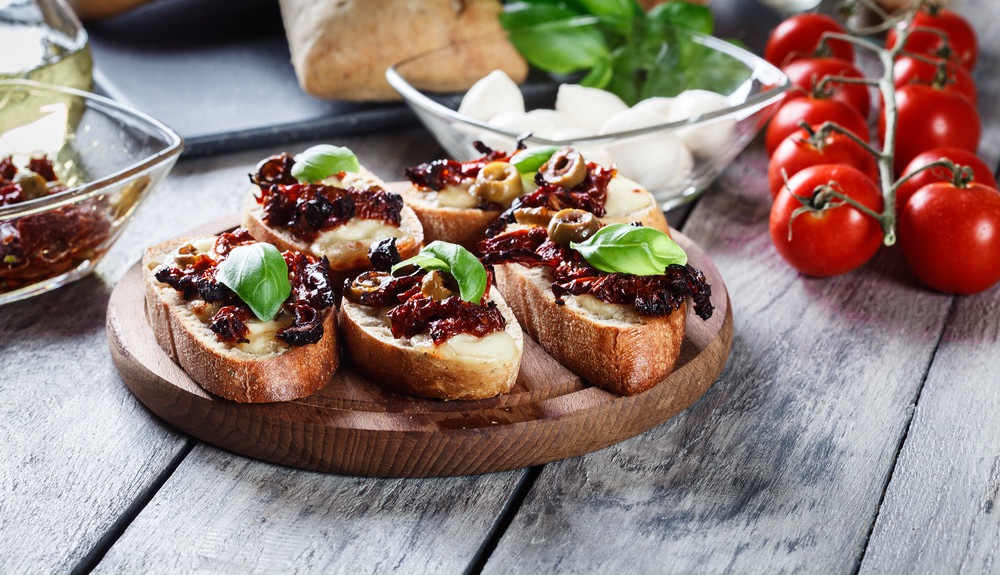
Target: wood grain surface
x=357, y=427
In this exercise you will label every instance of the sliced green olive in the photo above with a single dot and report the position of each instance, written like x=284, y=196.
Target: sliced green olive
x=367, y=282
x=186, y=255
x=32, y=185
x=438, y=285
x=565, y=168
x=498, y=183
x=533, y=216
x=571, y=225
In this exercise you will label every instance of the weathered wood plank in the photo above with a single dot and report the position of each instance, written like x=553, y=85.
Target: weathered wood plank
x=77, y=450
x=782, y=464
x=222, y=512
x=938, y=514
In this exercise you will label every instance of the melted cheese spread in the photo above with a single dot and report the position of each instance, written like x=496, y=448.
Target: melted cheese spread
x=498, y=346
x=332, y=241
x=457, y=197
x=625, y=197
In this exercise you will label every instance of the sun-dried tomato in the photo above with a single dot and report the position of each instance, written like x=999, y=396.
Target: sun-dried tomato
x=442, y=319
x=276, y=169
x=310, y=280
x=43, y=167
x=657, y=295
x=307, y=326
x=383, y=254
x=228, y=241
x=439, y=174
x=229, y=324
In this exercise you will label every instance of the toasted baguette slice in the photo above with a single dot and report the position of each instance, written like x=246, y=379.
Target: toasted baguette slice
x=467, y=226
x=611, y=346
x=464, y=367
x=463, y=226
x=346, y=255
x=281, y=373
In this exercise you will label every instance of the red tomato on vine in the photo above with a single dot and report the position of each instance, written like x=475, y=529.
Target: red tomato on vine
x=820, y=234
x=812, y=111
x=800, y=151
x=800, y=35
x=807, y=74
x=956, y=78
x=950, y=236
x=980, y=172
x=929, y=118
x=961, y=36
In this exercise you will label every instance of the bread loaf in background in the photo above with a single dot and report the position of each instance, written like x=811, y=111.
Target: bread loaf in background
x=341, y=49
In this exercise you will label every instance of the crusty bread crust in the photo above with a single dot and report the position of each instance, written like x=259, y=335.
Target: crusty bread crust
x=624, y=357
x=467, y=226
x=403, y=367
x=234, y=374
x=354, y=255
x=463, y=226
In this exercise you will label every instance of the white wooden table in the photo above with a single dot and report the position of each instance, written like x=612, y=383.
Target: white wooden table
x=854, y=429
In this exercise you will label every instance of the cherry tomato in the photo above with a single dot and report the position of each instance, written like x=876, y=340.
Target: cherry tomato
x=980, y=172
x=957, y=79
x=832, y=241
x=928, y=118
x=950, y=236
x=806, y=75
x=799, y=36
x=799, y=151
x=961, y=36
x=812, y=111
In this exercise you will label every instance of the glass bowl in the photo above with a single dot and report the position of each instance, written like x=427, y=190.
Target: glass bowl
x=107, y=155
x=752, y=88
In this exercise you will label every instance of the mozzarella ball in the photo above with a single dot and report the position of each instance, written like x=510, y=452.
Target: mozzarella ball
x=492, y=95
x=702, y=140
x=587, y=108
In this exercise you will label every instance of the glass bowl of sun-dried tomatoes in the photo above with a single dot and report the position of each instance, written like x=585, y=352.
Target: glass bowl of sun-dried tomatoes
x=73, y=168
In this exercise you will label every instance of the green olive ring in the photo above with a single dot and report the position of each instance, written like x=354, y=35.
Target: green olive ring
x=565, y=168
x=571, y=225
x=498, y=183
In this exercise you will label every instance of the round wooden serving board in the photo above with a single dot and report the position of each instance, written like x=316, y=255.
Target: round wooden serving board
x=353, y=426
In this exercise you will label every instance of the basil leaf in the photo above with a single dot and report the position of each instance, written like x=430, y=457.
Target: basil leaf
x=259, y=276
x=531, y=159
x=683, y=15
x=561, y=46
x=322, y=161
x=628, y=249
x=466, y=268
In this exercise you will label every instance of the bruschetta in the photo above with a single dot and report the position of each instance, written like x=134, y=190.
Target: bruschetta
x=459, y=201
x=200, y=318
x=337, y=212
x=620, y=330
x=422, y=330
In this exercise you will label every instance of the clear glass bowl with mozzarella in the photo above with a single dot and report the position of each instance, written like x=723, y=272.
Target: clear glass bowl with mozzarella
x=674, y=146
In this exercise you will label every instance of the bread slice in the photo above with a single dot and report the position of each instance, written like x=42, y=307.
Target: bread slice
x=467, y=226
x=463, y=226
x=416, y=366
x=345, y=257
x=281, y=374
x=611, y=346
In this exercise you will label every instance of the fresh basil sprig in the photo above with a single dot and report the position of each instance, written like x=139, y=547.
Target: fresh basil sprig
x=530, y=160
x=322, y=161
x=622, y=49
x=259, y=276
x=466, y=268
x=628, y=249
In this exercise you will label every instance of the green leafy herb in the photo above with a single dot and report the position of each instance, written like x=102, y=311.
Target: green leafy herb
x=531, y=159
x=259, y=276
x=624, y=248
x=618, y=47
x=322, y=161
x=466, y=268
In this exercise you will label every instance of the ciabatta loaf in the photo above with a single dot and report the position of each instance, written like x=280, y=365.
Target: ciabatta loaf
x=262, y=369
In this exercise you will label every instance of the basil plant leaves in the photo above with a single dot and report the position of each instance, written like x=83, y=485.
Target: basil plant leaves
x=628, y=249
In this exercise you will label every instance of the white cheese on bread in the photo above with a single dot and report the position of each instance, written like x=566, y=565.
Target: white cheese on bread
x=346, y=236
x=626, y=196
